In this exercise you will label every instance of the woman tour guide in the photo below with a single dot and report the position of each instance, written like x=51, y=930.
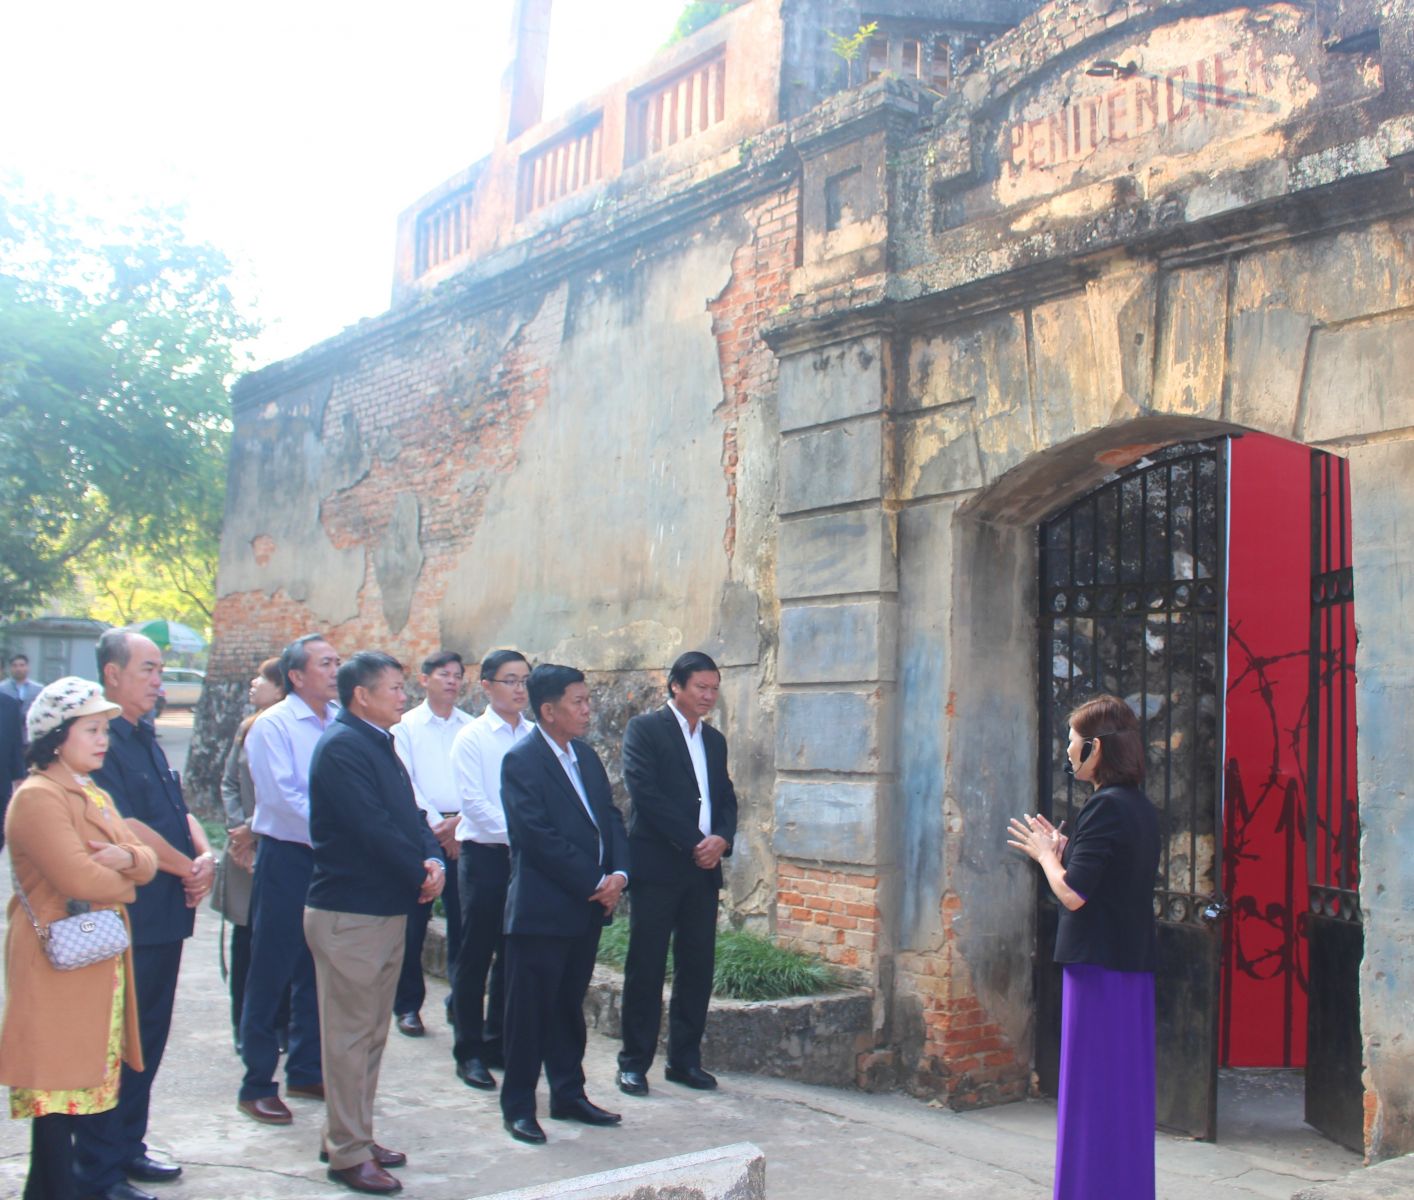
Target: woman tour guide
x=1103, y=875
x=66, y=1032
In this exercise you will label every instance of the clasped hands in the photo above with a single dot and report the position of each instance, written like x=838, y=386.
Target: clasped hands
x=200, y=879
x=609, y=893
x=708, y=852
x=1035, y=836
x=432, y=882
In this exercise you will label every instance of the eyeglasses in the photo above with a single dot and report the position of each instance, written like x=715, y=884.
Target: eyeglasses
x=516, y=682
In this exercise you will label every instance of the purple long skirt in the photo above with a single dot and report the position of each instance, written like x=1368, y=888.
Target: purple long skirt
x=1105, y=1139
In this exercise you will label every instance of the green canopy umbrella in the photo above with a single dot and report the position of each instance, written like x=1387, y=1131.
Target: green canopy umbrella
x=171, y=635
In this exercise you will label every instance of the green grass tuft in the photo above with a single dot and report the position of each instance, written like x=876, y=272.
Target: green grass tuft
x=749, y=967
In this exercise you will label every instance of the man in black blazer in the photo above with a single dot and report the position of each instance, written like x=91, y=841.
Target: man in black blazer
x=681, y=826
x=374, y=859
x=569, y=866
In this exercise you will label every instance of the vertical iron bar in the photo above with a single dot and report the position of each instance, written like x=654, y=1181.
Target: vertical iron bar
x=1313, y=701
x=1347, y=835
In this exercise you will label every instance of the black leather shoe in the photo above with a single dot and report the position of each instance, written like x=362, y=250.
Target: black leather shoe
x=693, y=1077
x=123, y=1190
x=583, y=1111
x=149, y=1170
x=525, y=1129
x=410, y=1025
x=381, y=1155
x=473, y=1073
x=632, y=1083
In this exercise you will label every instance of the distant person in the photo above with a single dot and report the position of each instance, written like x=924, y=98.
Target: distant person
x=278, y=747
x=1107, y=944
x=375, y=860
x=423, y=739
x=231, y=895
x=569, y=867
x=111, y=1150
x=18, y=685
x=681, y=824
x=67, y=1033
x=485, y=867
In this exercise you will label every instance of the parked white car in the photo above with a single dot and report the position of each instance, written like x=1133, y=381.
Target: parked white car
x=181, y=688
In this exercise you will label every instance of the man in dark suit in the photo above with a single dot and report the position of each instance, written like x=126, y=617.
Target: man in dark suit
x=110, y=1148
x=569, y=866
x=681, y=826
x=374, y=859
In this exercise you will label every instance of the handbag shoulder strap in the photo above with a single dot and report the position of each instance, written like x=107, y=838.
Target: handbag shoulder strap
x=41, y=930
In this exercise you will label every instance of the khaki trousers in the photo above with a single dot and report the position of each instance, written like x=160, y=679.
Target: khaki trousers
x=356, y=964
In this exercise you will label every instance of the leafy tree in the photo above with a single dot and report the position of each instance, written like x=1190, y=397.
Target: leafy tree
x=697, y=13
x=117, y=345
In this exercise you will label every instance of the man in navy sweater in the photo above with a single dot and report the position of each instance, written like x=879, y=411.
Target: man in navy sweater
x=374, y=860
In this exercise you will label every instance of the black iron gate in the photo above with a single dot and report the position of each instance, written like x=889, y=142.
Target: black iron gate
x=1334, y=1093
x=1133, y=595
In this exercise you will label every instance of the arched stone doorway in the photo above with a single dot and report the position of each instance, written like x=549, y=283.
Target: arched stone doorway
x=1209, y=584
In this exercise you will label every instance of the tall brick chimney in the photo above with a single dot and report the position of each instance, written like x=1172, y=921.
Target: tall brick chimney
x=523, y=85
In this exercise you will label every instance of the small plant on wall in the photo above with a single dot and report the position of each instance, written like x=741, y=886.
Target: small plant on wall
x=849, y=47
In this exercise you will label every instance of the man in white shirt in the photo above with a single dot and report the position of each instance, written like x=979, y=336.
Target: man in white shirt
x=423, y=739
x=278, y=749
x=485, y=865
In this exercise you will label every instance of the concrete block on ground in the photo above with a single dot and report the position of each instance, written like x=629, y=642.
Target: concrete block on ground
x=836, y=553
x=1392, y=1180
x=735, y=1172
x=827, y=822
x=840, y=465
x=808, y=1039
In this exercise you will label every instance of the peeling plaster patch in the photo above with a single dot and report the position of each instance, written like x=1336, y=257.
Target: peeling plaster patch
x=262, y=548
x=600, y=475
x=397, y=561
x=621, y=649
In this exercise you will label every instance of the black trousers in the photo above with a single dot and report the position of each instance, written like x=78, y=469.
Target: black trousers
x=240, y=969
x=686, y=911
x=546, y=978
x=105, y=1142
x=478, y=1011
x=51, y=1158
x=412, y=987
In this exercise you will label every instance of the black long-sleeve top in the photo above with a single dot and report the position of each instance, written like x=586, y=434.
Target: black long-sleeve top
x=1111, y=860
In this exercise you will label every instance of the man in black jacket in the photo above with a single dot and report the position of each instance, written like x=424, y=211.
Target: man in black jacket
x=681, y=826
x=374, y=859
x=569, y=866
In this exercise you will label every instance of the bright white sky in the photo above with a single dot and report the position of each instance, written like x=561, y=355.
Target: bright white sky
x=292, y=131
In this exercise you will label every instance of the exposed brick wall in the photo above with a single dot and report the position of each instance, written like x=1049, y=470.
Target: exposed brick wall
x=831, y=913
x=759, y=285
x=965, y=1055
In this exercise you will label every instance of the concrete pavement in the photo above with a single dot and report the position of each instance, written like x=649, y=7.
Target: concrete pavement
x=819, y=1142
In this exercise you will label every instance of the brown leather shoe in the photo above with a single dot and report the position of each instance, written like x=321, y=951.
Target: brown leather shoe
x=381, y=1155
x=268, y=1110
x=368, y=1177
x=306, y=1091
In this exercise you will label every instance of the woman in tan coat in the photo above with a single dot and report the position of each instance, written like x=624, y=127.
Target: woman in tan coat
x=66, y=1033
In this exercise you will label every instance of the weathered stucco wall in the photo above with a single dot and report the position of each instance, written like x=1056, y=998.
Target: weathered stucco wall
x=586, y=473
